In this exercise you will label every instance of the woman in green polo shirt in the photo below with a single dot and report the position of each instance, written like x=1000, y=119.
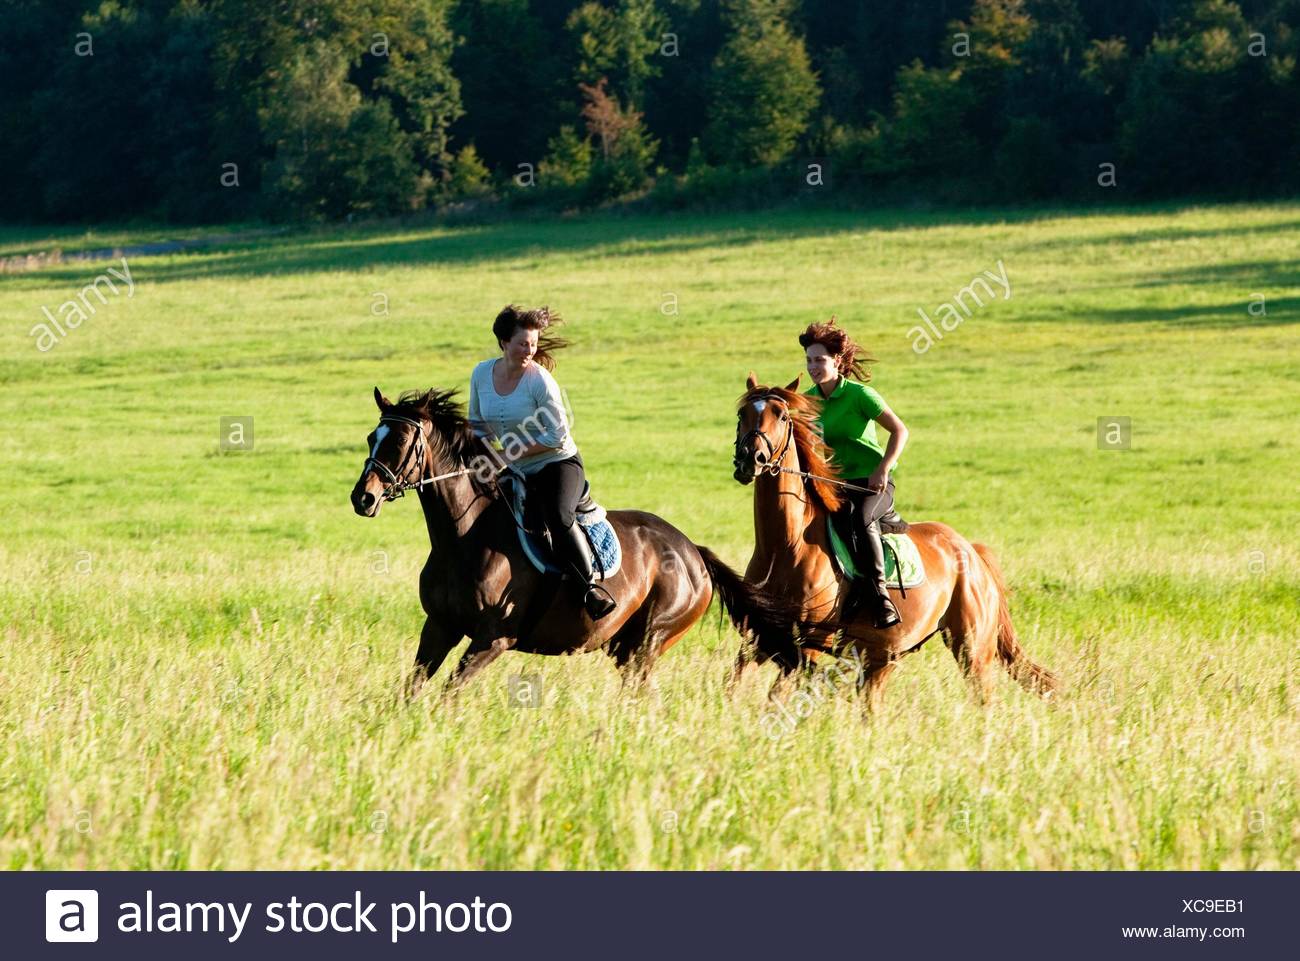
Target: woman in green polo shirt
x=850, y=412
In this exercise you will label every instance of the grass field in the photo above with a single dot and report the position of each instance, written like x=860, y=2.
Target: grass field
x=202, y=649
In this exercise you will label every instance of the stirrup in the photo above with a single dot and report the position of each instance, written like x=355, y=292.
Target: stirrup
x=598, y=602
x=886, y=615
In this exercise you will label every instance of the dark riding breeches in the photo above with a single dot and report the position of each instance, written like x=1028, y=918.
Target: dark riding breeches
x=860, y=509
x=555, y=491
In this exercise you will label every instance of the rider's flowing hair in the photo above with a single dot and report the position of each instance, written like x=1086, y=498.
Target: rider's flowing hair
x=850, y=359
x=513, y=317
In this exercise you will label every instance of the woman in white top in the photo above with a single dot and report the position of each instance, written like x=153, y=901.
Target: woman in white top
x=514, y=399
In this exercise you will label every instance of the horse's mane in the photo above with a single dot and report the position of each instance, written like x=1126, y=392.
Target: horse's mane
x=450, y=426
x=807, y=441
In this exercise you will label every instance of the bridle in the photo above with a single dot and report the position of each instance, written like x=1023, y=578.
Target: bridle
x=394, y=486
x=773, y=465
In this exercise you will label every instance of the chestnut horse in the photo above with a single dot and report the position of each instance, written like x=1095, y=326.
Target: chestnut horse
x=963, y=597
x=478, y=582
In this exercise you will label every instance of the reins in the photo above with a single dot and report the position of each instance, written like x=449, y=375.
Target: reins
x=810, y=476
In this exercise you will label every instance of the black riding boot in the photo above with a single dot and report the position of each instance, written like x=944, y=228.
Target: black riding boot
x=572, y=547
x=872, y=576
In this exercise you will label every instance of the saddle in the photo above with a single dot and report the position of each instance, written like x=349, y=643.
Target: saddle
x=606, y=551
x=903, y=566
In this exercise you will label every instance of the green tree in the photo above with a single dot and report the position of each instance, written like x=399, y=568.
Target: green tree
x=333, y=154
x=993, y=67
x=675, y=108
x=1029, y=161
x=626, y=151
x=568, y=160
x=762, y=90
x=620, y=44
x=1200, y=112
x=858, y=46
x=1106, y=65
x=469, y=177
x=516, y=83
x=412, y=43
x=985, y=113
x=125, y=123
x=385, y=76
x=927, y=132
x=35, y=47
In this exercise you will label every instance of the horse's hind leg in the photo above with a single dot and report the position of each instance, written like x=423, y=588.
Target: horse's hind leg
x=640, y=642
x=674, y=604
x=637, y=644
x=634, y=650
x=751, y=656
x=636, y=669
x=970, y=625
x=975, y=651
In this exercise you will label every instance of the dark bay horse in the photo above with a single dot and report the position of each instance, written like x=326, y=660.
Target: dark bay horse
x=963, y=596
x=478, y=582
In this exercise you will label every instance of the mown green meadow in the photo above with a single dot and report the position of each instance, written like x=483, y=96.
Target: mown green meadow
x=203, y=649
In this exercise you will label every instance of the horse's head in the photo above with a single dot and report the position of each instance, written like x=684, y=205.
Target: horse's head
x=764, y=428
x=777, y=427
x=399, y=455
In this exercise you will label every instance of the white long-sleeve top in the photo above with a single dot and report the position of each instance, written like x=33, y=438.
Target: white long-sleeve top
x=533, y=413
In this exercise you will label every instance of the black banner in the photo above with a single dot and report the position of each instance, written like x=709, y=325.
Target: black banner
x=646, y=915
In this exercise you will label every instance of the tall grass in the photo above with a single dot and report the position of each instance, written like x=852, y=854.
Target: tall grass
x=203, y=649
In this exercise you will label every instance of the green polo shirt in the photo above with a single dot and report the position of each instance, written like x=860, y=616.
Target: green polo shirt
x=848, y=422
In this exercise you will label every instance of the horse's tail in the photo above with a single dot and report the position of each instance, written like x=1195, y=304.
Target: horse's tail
x=1031, y=676
x=774, y=626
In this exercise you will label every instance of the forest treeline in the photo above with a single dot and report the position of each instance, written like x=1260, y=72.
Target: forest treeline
x=321, y=109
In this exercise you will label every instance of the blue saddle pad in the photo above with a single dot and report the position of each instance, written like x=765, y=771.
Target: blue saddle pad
x=605, y=548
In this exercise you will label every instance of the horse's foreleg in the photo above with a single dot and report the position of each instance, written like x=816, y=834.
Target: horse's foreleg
x=478, y=655
x=436, y=642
